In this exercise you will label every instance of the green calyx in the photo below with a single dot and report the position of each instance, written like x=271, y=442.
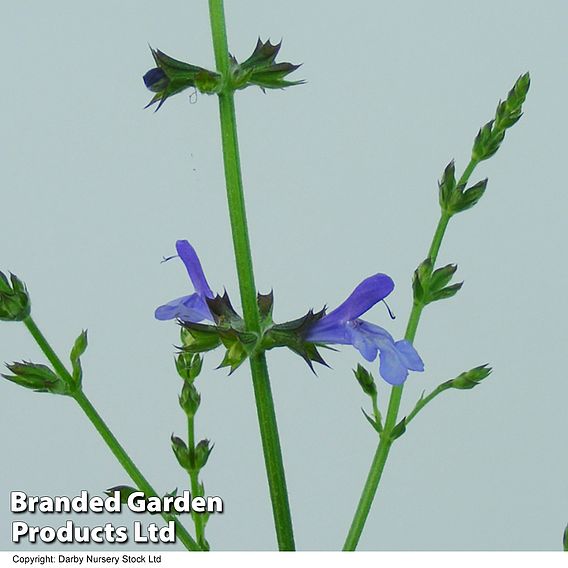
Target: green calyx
x=292, y=335
x=433, y=285
x=38, y=378
x=455, y=198
x=171, y=76
x=229, y=331
x=470, y=379
x=15, y=302
x=261, y=69
x=191, y=459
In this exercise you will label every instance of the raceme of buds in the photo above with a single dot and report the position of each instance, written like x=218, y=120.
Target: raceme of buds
x=15, y=302
x=509, y=111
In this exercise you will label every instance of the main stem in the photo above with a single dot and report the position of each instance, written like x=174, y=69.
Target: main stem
x=241, y=244
x=105, y=432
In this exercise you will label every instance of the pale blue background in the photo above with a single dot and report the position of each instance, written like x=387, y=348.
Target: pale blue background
x=340, y=178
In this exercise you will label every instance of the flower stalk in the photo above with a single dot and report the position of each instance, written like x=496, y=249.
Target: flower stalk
x=241, y=244
x=454, y=197
x=100, y=425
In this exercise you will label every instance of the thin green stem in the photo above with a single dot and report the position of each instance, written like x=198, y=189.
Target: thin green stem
x=385, y=442
x=44, y=345
x=241, y=244
x=129, y=466
x=105, y=432
x=424, y=401
x=194, y=484
x=377, y=412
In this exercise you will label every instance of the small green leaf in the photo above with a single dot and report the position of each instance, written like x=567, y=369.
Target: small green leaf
x=446, y=293
x=399, y=429
x=376, y=426
x=565, y=539
x=441, y=277
x=77, y=351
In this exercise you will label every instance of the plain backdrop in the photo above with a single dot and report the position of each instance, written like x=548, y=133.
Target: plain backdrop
x=341, y=182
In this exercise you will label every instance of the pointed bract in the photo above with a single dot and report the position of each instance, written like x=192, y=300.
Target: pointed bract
x=261, y=69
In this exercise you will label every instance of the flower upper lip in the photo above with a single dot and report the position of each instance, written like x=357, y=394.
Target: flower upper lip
x=192, y=308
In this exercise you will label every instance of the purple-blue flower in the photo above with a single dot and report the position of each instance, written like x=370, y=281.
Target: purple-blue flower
x=343, y=326
x=192, y=308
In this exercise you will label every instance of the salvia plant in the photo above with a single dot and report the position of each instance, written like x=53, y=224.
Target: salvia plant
x=209, y=321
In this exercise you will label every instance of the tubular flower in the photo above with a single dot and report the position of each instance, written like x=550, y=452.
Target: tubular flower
x=192, y=308
x=343, y=326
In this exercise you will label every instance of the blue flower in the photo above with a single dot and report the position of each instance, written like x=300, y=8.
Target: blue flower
x=156, y=80
x=192, y=308
x=343, y=326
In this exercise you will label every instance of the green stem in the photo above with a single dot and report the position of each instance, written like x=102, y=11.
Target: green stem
x=44, y=345
x=385, y=443
x=241, y=244
x=194, y=484
x=101, y=427
x=424, y=401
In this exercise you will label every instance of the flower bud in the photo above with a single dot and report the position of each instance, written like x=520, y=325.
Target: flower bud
x=202, y=452
x=366, y=380
x=181, y=452
x=189, y=399
x=171, y=76
x=189, y=365
x=261, y=69
x=15, y=302
x=471, y=378
x=37, y=377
